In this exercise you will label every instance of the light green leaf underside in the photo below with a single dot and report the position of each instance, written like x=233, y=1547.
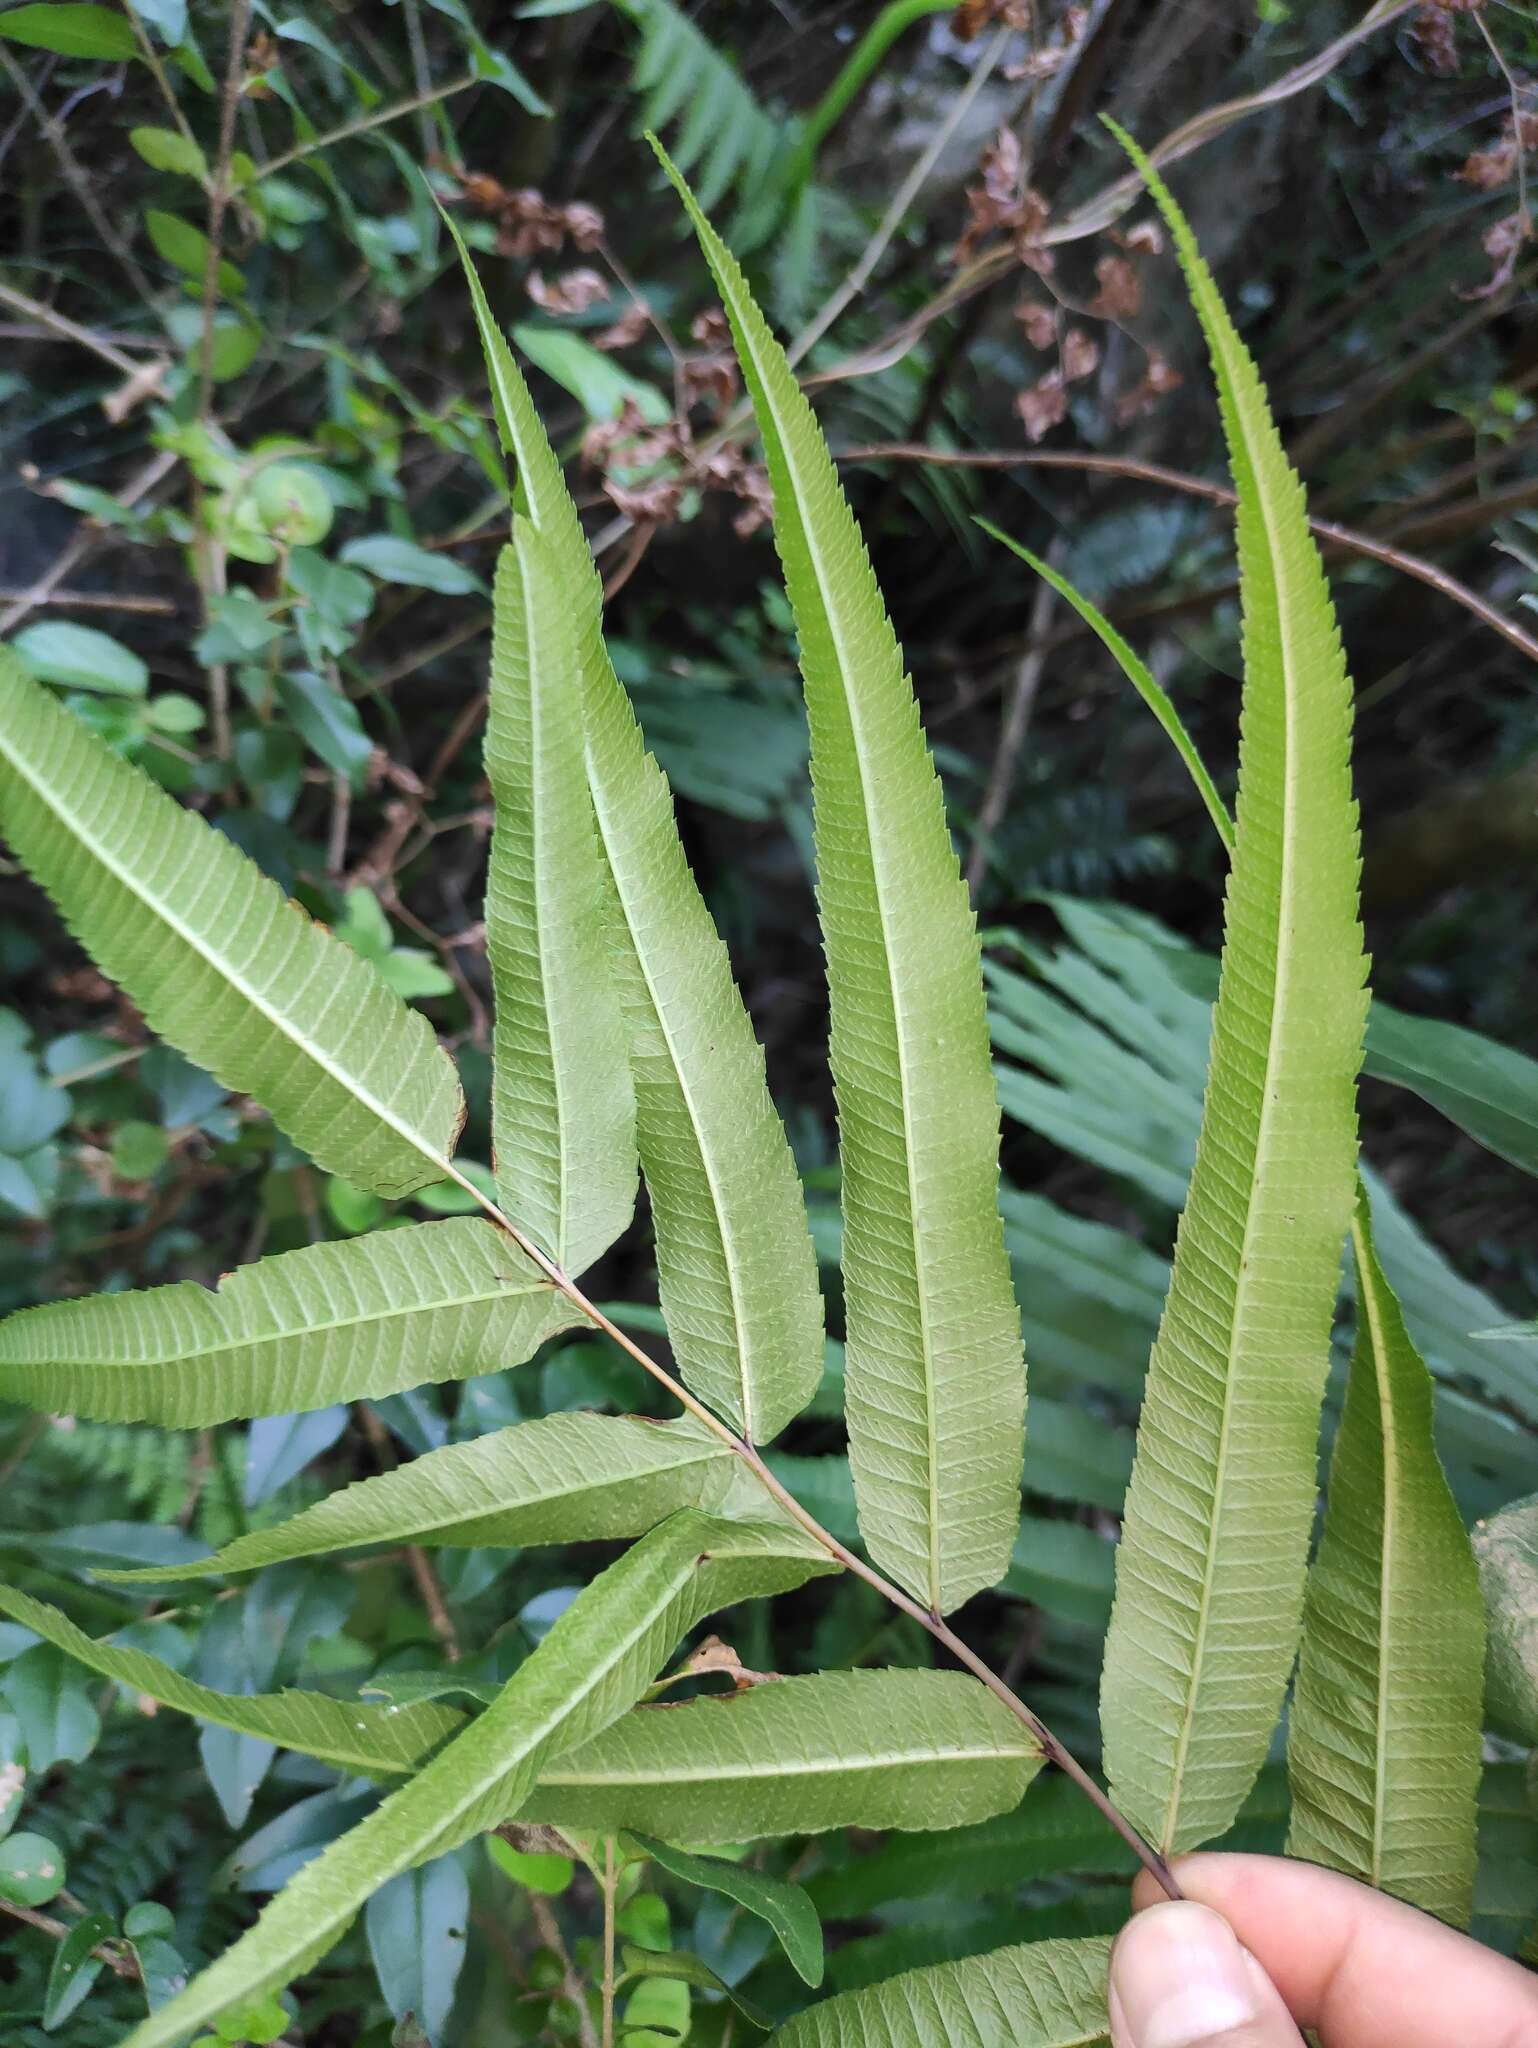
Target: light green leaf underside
x=1212, y=1560
x=1138, y=674
x=563, y=1479
x=935, y=1379
x=857, y=1749
x=333, y=1322
x=220, y=961
x=1384, y=1737
x=736, y=1270
x=1043, y=1994
x=1506, y=1547
x=562, y=1108
x=375, y=1742
x=597, y=1659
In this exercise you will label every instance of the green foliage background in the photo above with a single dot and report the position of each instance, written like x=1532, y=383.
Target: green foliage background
x=271, y=481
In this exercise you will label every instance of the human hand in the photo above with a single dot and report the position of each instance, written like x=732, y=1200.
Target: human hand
x=1261, y=1946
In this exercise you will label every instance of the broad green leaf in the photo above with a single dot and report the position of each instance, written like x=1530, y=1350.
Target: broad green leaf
x=600, y=385
x=1138, y=674
x=333, y=1322
x=785, y=1907
x=1383, y=1740
x=1043, y=1994
x=32, y=1870
x=866, y=1749
x=735, y=1266
x=1211, y=1564
x=81, y=658
x=563, y=1479
x=394, y=560
x=596, y=1660
x=935, y=1378
x=75, y=1969
x=417, y=1927
x=645, y=1962
x=73, y=31
x=1487, y=1089
x=167, y=149
x=563, y=1109
x=1506, y=1547
x=376, y=1742
x=219, y=960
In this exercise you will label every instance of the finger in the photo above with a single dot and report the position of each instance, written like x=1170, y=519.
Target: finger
x=1179, y=1979
x=1365, y=1970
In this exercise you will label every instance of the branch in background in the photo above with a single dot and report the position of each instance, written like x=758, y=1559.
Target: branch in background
x=1110, y=204
x=1012, y=731
x=116, y=1959
x=1219, y=494
x=361, y=126
x=77, y=179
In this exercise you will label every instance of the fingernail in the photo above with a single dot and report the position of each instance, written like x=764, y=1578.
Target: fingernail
x=1180, y=1979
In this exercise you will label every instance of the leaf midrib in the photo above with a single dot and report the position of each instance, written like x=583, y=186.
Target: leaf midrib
x=801, y=1768
x=1283, y=957
x=234, y=1343
x=276, y=1018
x=1367, y=1295
x=831, y=615
x=537, y=848
x=680, y=1073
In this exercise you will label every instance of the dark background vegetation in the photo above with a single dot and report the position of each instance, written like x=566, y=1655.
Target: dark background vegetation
x=1368, y=231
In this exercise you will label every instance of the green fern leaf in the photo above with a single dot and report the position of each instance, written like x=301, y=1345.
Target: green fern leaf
x=1211, y=1565
x=1383, y=1742
x=681, y=76
x=219, y=960
x=563, y=1479
x=563, y=1111
x=736, y=1270
x=1043, y=1994
x=374, y=1742
x=594, y=1663
x=935, y=1380
x=856, y=1749
x=333, y=1322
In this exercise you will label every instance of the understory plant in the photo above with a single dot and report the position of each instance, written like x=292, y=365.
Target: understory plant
x=621, y=1044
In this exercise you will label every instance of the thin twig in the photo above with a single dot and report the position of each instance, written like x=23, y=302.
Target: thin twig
x=902, y=199
x=151, y=57
x=78, y=180
x=550, y=1935
x=364, y=122
x=71, y=330
x=81, y=541
x=609, y=1879
x=92, y=600
x=116, y=1959
x=1219, y=494
x=1012, y=731
x=208, y=552
x=1515, y=90
x=416, y=1557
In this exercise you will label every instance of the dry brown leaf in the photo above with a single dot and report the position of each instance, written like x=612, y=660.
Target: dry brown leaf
x=574, y=291
x=1080, y=355
x=1120, y=294
x=1042, y=405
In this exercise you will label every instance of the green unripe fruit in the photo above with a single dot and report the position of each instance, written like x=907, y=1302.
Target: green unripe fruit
x=292, y=506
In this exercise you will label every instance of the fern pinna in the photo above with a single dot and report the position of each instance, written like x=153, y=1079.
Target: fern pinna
x=621, y=1041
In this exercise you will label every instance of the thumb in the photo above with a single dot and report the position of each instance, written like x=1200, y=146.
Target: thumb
x=1179, y=1979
